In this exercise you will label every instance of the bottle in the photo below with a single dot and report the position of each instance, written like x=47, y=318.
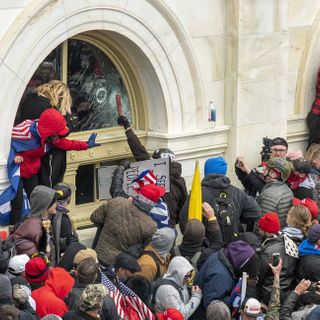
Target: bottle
x=212, y=115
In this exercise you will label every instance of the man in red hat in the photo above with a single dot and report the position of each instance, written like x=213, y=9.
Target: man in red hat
x=275, y=243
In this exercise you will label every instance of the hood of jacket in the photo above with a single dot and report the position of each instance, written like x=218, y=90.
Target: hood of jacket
x=178, y=268
x=194, y=235
x=306, y=248
x=216, y=181
x=51, y=122
x=40, y=200
x=175, y=170
x=163, y=240
x=60, y=282
x=239, y=253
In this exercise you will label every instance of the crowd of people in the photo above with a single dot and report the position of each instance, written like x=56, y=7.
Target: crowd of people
x=255, y=254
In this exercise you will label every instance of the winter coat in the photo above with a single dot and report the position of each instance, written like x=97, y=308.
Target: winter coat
x=50, y=298
x=64, y=233
x=167, y=296
x=246, y=207
x=148, y=265
x=51, y=122
x=309, y=262
x=109, y=309
x=27, y=236
x=276, y=196
x=178, y=194
x=288, y=272
x=216, y=278
x=124, y=225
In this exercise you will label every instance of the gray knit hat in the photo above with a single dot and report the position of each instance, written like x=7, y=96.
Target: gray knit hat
x=163, y=240
x=218, y=310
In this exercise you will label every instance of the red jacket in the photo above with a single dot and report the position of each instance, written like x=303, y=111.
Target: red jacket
x=51, y=123
x=50, y=298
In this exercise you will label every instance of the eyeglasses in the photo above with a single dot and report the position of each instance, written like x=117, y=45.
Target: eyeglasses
x=278, y=150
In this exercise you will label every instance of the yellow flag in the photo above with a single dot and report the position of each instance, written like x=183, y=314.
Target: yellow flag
x=195, y=201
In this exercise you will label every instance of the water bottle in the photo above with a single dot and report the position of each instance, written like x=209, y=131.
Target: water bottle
x=212, y=115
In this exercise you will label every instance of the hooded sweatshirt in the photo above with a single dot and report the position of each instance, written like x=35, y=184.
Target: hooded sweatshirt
x=193, y=238
x=306, y=248
x=27, y=236
x=29, y=140
x=168, y=296
x=50, y=298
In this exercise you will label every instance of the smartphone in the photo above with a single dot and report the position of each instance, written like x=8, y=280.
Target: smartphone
x=314, y=286
x=238, y=164
x=275, y=259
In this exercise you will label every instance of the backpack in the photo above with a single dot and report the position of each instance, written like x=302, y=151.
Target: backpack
x=138, y=250
x=226, y=214
x=163, y=281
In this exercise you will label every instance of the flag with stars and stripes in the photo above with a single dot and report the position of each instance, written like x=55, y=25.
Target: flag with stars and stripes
x=125, y=298
x=144, y=178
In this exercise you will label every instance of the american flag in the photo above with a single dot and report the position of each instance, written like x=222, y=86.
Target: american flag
x=145, y=177
x=122, y=295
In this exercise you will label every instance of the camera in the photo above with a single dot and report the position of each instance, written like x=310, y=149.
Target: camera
x=266, y=149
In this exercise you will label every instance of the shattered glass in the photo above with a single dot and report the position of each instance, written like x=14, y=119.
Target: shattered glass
x=94, y=83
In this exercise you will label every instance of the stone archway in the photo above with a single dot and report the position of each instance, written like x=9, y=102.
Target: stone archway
x=148, y=24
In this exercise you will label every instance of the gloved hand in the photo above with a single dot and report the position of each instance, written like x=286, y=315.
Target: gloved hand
x=125, y=163
x=92, y=141
x=123, y=121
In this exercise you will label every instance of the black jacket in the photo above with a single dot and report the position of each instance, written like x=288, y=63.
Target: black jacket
x=31, y=107
x=252, y=183
x=64, y=233
x=246, y=207
x=109, y=309
x=178, y=190
x=288, y=272
x=308, y=268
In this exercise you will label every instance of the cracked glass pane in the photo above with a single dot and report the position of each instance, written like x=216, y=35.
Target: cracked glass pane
x=94, y=83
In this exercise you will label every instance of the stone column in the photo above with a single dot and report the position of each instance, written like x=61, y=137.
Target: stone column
x=256, y=74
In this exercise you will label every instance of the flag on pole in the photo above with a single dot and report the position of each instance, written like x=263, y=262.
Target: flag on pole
x=195, y=201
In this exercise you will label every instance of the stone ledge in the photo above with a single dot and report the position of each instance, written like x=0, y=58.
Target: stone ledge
x=297, y=129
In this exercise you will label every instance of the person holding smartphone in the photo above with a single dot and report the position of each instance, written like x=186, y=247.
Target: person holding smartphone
x=275, y=247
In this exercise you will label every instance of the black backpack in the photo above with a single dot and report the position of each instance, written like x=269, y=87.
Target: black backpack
x=226, y=214
x=138, y=250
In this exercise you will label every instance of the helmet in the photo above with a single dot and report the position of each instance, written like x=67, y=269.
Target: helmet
x=63, y=191
x=164, y=153
x=282, y=165
x=302, y=165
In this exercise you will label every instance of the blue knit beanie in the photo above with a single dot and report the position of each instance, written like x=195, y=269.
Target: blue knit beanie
x=215, y=165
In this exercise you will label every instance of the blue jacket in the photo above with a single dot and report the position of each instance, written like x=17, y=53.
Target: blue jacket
x=215, y=278
x=306, y=248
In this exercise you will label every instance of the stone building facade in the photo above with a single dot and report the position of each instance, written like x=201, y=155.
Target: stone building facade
x=256, y=60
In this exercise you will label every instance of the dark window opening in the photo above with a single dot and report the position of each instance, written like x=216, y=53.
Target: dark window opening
x=85, y=184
